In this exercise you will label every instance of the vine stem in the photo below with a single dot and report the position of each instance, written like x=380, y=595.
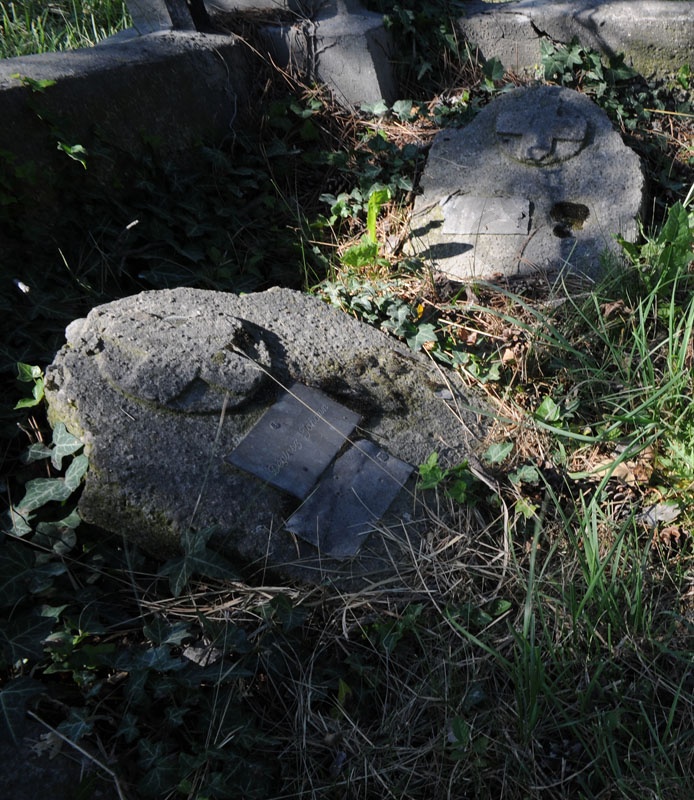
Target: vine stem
x=84, y=752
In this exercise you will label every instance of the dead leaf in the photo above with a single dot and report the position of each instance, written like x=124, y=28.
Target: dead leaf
x=668, y=536
x=632, y=472
x=659, y=512
x=508, y=356
x=613, y=309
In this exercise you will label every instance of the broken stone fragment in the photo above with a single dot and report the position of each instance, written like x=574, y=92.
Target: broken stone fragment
x=286, y=426
x=538, y=181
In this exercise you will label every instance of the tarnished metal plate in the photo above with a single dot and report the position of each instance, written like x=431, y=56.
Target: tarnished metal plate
x=295, y=440
x=352, y=496
x=484, y=216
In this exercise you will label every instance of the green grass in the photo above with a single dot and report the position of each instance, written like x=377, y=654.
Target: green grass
x=28, y=27
x=537, y=644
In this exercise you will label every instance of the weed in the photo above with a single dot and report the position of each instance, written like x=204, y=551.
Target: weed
x=30, y=26
x=426, y=35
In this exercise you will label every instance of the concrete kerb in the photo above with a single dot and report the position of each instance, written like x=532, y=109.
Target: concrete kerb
x=656, y=36
x=174, y=88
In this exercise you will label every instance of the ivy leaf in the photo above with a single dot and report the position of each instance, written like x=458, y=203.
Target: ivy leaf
x=158, y=768
x=198, y=559
x=425, y=333
x=549, y=410
x=377, y=109
x=18, y=524
x=36, y=452
x=288, y=615
x=403, y=110
x=526, y=474
x=41, y=491
x=205, y=563
x=493, y=70
x=28, y=373
x=36, y=396
x=42, y=576
x=76, y=725
x=498, y=452
x=23, y=638
x=65, y=444
x=15, y=696
x=128, y=728
x=159, y=631
x=75, y=472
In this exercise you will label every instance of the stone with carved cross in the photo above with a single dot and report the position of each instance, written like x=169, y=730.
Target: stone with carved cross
x=542, y=135
x=538, y=181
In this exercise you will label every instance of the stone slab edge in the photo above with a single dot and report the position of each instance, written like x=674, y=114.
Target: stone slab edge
x=656, y=36
x=176, y=88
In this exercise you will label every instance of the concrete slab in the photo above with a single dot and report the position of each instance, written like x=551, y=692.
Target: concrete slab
x=539, y=180
x=175, y=88
x=657, y=36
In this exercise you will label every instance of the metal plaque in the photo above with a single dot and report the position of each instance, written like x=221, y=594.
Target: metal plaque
x=352, y=496
x=295, y=440
x=472, y=215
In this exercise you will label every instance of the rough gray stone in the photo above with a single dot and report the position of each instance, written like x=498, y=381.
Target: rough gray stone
x=335, y=42
x=343, y=46
x=539, y=180
x=656, y=36
x=164, y=386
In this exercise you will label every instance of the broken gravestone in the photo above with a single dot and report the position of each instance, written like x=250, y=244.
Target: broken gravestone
x=539, y=180
x=286, y=427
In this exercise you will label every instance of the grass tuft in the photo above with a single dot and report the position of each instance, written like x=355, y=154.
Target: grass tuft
x=29, y=27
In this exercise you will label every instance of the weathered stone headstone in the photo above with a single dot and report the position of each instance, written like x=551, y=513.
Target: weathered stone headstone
x=539, y=180
x=289, y=428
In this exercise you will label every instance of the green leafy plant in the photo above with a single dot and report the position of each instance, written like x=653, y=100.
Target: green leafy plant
x=458, y=482
x=33, y=26
x=426, y=31
x=51, y=492
x=365, y=253
x=197, y=560
x=30, y=374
